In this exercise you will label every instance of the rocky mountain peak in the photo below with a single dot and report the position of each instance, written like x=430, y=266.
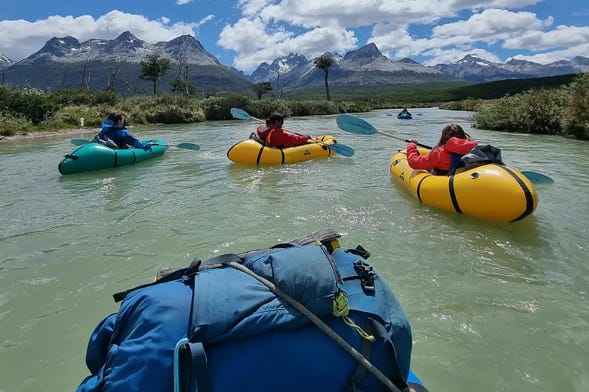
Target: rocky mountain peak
x=407, y=60
x=365, y=54
x=5, y=61
x=288, y=62
x=185, y=41
x=126, y=43
x=581, y=62
x=473, y=59
x=279, y=66
x=186, y=49
x=60, y=46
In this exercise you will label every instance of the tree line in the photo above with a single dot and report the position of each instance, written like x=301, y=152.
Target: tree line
x=557, y=105
x=155, y=67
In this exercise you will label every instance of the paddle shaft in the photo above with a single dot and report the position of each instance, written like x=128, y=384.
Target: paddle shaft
x=403, y=140
x=354, y=124
x=186, y=146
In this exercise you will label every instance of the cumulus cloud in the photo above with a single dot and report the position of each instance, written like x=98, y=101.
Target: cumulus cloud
x=269, y=29
x=549, y=57
x=255, y=42
x=21, y=38
x=537, y=40
x=451, y=41
x=431, y=31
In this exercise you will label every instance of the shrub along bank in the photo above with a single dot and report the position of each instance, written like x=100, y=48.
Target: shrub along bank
x=558, y=111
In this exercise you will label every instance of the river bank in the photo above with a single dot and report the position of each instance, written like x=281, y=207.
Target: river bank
x=46, y=134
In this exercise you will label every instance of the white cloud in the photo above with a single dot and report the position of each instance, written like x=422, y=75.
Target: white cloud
x=21, y=38
x=255, y=42
x=556, y=55
x=269, y=29
x=427, y=30
x=537, y=40
x=251, y=8
x=490, y=25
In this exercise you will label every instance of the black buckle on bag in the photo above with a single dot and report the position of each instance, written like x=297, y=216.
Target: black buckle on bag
x=366, y=274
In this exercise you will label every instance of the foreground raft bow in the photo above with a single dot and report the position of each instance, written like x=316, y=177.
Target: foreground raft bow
x=306, y=315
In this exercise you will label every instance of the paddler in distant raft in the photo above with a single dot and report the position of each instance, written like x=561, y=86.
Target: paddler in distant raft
x=274, y=135
x=114, y=134
x=453, y=144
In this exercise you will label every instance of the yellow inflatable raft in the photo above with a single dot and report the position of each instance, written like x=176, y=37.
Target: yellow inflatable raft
x=254, y=151
x=491, y=191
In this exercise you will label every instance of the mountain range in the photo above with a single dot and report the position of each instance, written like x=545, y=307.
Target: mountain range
x=115, y=64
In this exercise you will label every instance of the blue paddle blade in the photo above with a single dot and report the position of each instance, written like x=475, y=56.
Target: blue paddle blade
x=537, y=178
x=240, y=114
x=189, y=146
x=354, y=124
x=79, y=142
x=342, y=149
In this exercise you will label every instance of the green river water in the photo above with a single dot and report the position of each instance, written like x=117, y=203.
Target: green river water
x=493, y=306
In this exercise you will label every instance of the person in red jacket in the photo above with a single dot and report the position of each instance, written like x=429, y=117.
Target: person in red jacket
x=453, y=143
x=273, y=134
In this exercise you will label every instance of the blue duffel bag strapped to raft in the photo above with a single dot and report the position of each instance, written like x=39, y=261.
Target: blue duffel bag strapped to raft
x=294, y=317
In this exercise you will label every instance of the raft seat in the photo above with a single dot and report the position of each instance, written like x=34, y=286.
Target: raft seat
x=254, y=136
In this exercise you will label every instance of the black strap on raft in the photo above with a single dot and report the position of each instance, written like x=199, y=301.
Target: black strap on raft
x=193, y=369
x=165, y=276
x=366, y=274
x=377, y=330
x=360, y=251
x=325, y=237
x=364, y=271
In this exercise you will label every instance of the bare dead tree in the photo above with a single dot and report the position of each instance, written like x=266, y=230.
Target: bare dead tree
x=131, y=88
x=60, y=84
x=280, y=85
x=113, y=73
x=183, y=70
x=86, y=74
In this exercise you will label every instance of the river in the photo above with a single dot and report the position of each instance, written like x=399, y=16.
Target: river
x=493, y=306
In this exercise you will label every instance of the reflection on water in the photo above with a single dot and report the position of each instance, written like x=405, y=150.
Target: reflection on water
x=493, y=306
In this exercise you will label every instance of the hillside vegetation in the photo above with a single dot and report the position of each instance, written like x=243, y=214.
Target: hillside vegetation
x=556, y=105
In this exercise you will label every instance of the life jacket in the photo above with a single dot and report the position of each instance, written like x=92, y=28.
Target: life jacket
x=228, y=324
x=266, y=133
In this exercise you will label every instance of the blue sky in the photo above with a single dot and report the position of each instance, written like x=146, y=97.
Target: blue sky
x=244, y=33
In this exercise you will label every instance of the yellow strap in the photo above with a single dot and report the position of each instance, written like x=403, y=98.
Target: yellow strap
x=341, y=308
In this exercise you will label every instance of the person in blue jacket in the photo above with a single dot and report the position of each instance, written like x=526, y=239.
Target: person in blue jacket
x=114, y=134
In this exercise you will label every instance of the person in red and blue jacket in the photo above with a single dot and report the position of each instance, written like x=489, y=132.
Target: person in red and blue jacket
x=114, y=132
x=273, y=134
x=454, y=143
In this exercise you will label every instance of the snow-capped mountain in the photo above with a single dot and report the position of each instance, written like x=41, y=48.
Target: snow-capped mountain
x=362, y=67
x=5, y=61
x=476, y=69
x=125, y=48
x=280, y=66
x=370, y=58
x=64, y=62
